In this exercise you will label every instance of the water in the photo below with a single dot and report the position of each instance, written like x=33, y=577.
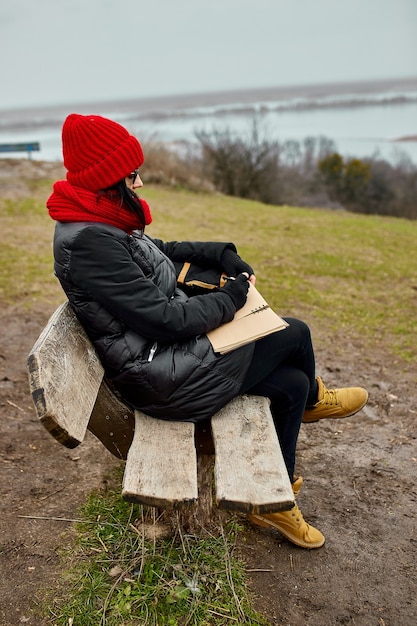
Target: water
x=362, y=120
x=357, y=132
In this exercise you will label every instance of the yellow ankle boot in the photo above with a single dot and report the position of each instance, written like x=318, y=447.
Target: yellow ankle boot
x=335, y=403
x=291, y=524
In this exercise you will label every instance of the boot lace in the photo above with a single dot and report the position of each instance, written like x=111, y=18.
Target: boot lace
x=330, y=397
x=296, y=513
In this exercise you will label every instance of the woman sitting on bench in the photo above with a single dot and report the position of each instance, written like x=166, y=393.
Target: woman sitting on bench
x=150, y=334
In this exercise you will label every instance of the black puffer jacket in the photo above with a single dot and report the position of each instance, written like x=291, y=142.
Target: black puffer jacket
x=149, y=335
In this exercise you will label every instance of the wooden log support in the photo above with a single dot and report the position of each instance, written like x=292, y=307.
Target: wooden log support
x=250, y=473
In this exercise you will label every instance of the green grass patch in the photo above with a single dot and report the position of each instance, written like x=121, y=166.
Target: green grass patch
x=26, y=267
x=124, y=574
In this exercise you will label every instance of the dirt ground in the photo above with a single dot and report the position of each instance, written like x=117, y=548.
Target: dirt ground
x=359, y=489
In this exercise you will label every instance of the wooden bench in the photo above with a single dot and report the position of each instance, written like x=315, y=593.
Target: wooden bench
x=28, y=147
x=167, y=463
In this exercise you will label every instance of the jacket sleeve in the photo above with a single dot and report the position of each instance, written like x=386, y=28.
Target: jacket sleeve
x=204, y=253
x=102, y=265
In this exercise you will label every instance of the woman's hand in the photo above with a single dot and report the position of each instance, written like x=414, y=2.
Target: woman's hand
x=237, y=289
x=233, y=264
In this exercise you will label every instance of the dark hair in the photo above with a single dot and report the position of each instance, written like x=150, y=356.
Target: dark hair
x=126, y=197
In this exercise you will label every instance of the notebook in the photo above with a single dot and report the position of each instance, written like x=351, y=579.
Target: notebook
x=254, y=320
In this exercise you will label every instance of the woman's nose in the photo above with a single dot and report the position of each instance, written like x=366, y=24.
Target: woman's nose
x=138, y=183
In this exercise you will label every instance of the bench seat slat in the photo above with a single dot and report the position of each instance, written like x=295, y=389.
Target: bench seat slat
x=250, y=472
x=161, y=466
x=65, y=375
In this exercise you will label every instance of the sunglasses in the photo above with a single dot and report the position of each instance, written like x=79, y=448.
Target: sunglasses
x=133, y=175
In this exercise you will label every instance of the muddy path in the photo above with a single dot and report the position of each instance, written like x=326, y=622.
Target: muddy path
x=359, y=489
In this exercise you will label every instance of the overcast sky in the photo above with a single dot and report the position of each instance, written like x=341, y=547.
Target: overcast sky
x=63, y=51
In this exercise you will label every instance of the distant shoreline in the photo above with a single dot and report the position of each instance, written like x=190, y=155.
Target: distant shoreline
x=308, y=94
x=406, y=138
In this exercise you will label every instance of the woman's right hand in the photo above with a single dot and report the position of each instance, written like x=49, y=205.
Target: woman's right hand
x=238, y=289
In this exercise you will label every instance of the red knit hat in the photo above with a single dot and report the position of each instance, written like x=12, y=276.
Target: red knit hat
x=98, y=152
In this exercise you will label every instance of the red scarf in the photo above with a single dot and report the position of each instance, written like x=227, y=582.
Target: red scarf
x=74, y=204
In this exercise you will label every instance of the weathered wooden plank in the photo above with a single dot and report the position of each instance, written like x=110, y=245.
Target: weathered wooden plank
x=250, y=472
x=64, y=377
x=161, y=466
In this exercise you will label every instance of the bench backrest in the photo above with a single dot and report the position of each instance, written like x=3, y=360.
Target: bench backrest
x=61, y=361
x=68, y=388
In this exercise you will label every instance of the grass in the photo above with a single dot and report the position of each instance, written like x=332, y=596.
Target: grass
x=26, y=268
x=347, y=275
x=124, y=574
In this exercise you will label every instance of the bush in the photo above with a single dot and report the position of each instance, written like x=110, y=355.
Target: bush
x=331, y=171
x=370, y=185
x=346, y=182
x=176, y=165
x=239, y=167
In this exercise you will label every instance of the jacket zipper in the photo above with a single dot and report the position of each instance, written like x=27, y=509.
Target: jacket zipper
x=152, y=352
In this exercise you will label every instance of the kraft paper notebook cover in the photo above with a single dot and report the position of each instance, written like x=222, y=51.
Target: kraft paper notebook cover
x=254, y=320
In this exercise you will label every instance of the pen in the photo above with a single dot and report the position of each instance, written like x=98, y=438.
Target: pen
x=233, y=277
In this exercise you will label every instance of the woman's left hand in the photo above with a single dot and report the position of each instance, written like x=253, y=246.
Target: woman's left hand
x=234, y=265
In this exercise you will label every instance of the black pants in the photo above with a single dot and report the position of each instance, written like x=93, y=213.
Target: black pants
x=283, y=369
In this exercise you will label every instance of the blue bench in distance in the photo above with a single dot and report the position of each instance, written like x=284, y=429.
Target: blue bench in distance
x=28, y=147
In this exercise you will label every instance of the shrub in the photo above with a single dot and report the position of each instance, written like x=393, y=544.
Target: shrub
x=371, y=185
x=175, y=165
x=238, y=167
x=331, y=170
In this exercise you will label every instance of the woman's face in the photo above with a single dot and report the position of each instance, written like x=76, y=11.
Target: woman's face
x=134, y=181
